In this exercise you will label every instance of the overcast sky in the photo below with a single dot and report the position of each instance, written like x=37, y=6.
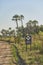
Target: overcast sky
x=31, y=9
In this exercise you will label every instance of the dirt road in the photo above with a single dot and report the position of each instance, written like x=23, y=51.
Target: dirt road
x=5, y=53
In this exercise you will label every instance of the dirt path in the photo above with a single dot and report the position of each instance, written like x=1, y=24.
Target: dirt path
x=5, y=53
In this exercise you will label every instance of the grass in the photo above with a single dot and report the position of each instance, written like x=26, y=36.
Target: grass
x=33, y=56
x=14, y=53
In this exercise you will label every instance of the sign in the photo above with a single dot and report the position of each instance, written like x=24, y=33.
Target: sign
x=28, y=39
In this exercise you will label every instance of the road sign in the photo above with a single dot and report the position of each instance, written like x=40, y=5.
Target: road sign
x=28, y=39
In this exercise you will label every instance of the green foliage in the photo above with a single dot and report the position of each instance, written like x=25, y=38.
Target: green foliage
x=14, y=53
x=36, y=53
x=41, y=28
x=41, y=50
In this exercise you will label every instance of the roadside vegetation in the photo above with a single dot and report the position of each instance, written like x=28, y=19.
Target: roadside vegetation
x=17, y=41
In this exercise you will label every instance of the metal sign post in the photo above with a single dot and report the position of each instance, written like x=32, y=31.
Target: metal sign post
x=28, y=40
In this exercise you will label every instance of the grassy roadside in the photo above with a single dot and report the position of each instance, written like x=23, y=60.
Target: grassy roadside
x=14, y=58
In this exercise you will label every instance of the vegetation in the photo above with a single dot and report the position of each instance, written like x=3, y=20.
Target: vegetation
x=35, y=56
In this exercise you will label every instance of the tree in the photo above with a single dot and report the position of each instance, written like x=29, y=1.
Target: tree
x=35, y=22
x=35, y=27
x=41, y=28
x=16, y=18
x=29, y=22
x=12, y=33
x=29, y=26
x=3, y=31
x=21, y=19
x=9, y=31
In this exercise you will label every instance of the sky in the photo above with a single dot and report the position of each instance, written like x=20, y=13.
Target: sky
x=30, y=9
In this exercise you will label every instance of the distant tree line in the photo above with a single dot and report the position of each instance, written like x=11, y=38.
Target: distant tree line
x=8, y=33
x=32, y=27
